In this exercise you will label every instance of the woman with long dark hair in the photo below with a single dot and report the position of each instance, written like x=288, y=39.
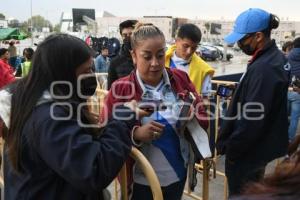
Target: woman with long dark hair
x=53, y=148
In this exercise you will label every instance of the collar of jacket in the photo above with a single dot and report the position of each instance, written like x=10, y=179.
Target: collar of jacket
x=176, y=84
x=260, y=52
x=125, y=52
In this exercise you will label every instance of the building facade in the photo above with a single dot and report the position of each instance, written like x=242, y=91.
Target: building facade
x=213, y=31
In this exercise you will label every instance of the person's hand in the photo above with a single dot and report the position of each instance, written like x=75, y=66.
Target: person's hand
x=94, y=117
x=133, y=105
x=148, y=132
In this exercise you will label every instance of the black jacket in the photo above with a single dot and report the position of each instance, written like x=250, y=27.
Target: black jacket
x=265, y=84
x=120, y=66
x=61, y=160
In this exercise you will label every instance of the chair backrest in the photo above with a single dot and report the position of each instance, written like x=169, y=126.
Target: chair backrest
x=147, y=170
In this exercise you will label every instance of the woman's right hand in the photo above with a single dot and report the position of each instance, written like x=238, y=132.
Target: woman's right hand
x=148, y=132
x=133, y=105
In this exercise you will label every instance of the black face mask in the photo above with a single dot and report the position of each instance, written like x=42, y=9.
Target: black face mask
x=127, y=43
x=88, y=85
x=247, y=49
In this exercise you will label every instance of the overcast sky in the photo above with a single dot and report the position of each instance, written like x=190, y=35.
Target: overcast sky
x=201, y=9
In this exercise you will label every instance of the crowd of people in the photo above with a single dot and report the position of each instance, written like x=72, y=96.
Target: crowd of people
x=55, y=148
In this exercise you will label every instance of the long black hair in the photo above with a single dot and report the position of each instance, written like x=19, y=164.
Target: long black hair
x=55, y=59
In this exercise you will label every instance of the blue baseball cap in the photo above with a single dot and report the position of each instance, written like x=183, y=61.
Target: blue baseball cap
x=250, y=21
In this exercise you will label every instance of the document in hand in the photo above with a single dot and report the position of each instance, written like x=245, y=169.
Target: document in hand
x=198, y=139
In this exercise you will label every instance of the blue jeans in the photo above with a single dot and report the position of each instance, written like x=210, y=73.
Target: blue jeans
x=294, y=103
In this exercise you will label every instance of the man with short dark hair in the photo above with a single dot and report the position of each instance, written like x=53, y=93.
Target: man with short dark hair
x=102, y=61
x=287, y=47
x=12, y=50
x=122, y=64
x=183, y=57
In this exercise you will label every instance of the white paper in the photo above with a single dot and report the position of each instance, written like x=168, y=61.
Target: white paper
x=200, y=137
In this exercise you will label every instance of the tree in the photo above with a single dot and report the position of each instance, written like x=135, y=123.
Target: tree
x=2, y=16
x=38, y=22
x=14, y=23
x=56, y=28
x=24, y=27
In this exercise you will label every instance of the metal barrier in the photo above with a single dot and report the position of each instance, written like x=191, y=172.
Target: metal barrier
x=149, y=173
x=207, y=167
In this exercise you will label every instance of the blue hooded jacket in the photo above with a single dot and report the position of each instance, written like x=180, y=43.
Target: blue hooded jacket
x=294, y=60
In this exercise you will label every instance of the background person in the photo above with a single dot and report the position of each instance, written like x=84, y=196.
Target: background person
x=294, y=96
x=12, y=49
x=6, y=72
x=122, y=64
x=182, y=56
x=255, y=128
x=287, y=47
x=26, y=65
x=102, y=61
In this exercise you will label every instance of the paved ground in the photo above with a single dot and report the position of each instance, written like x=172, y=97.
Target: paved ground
x=216, y=186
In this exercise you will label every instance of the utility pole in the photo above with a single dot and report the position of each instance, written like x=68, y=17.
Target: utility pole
x=31, y=23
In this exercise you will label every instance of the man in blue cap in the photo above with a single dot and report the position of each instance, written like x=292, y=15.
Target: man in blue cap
x=255, y=129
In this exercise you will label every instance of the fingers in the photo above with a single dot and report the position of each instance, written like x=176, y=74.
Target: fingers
x=142, y=113
x=156, y=129
x=133, y=105
x=157, y=124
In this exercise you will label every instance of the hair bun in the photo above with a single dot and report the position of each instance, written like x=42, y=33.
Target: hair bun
x=274, y=22
x=139, y=25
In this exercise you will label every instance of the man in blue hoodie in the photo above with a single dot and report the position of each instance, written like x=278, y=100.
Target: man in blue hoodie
x=294, y=96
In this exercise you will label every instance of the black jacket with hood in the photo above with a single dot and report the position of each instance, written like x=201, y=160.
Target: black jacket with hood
x=120, y=66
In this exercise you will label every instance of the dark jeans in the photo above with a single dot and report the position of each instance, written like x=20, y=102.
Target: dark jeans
x=171, y=192
x=240, y=173
x=12, y=62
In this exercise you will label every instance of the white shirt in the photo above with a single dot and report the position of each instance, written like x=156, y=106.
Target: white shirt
x=184, y=65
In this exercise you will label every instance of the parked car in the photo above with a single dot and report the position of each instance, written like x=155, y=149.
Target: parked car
x=208, y=53
x=229, y=53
